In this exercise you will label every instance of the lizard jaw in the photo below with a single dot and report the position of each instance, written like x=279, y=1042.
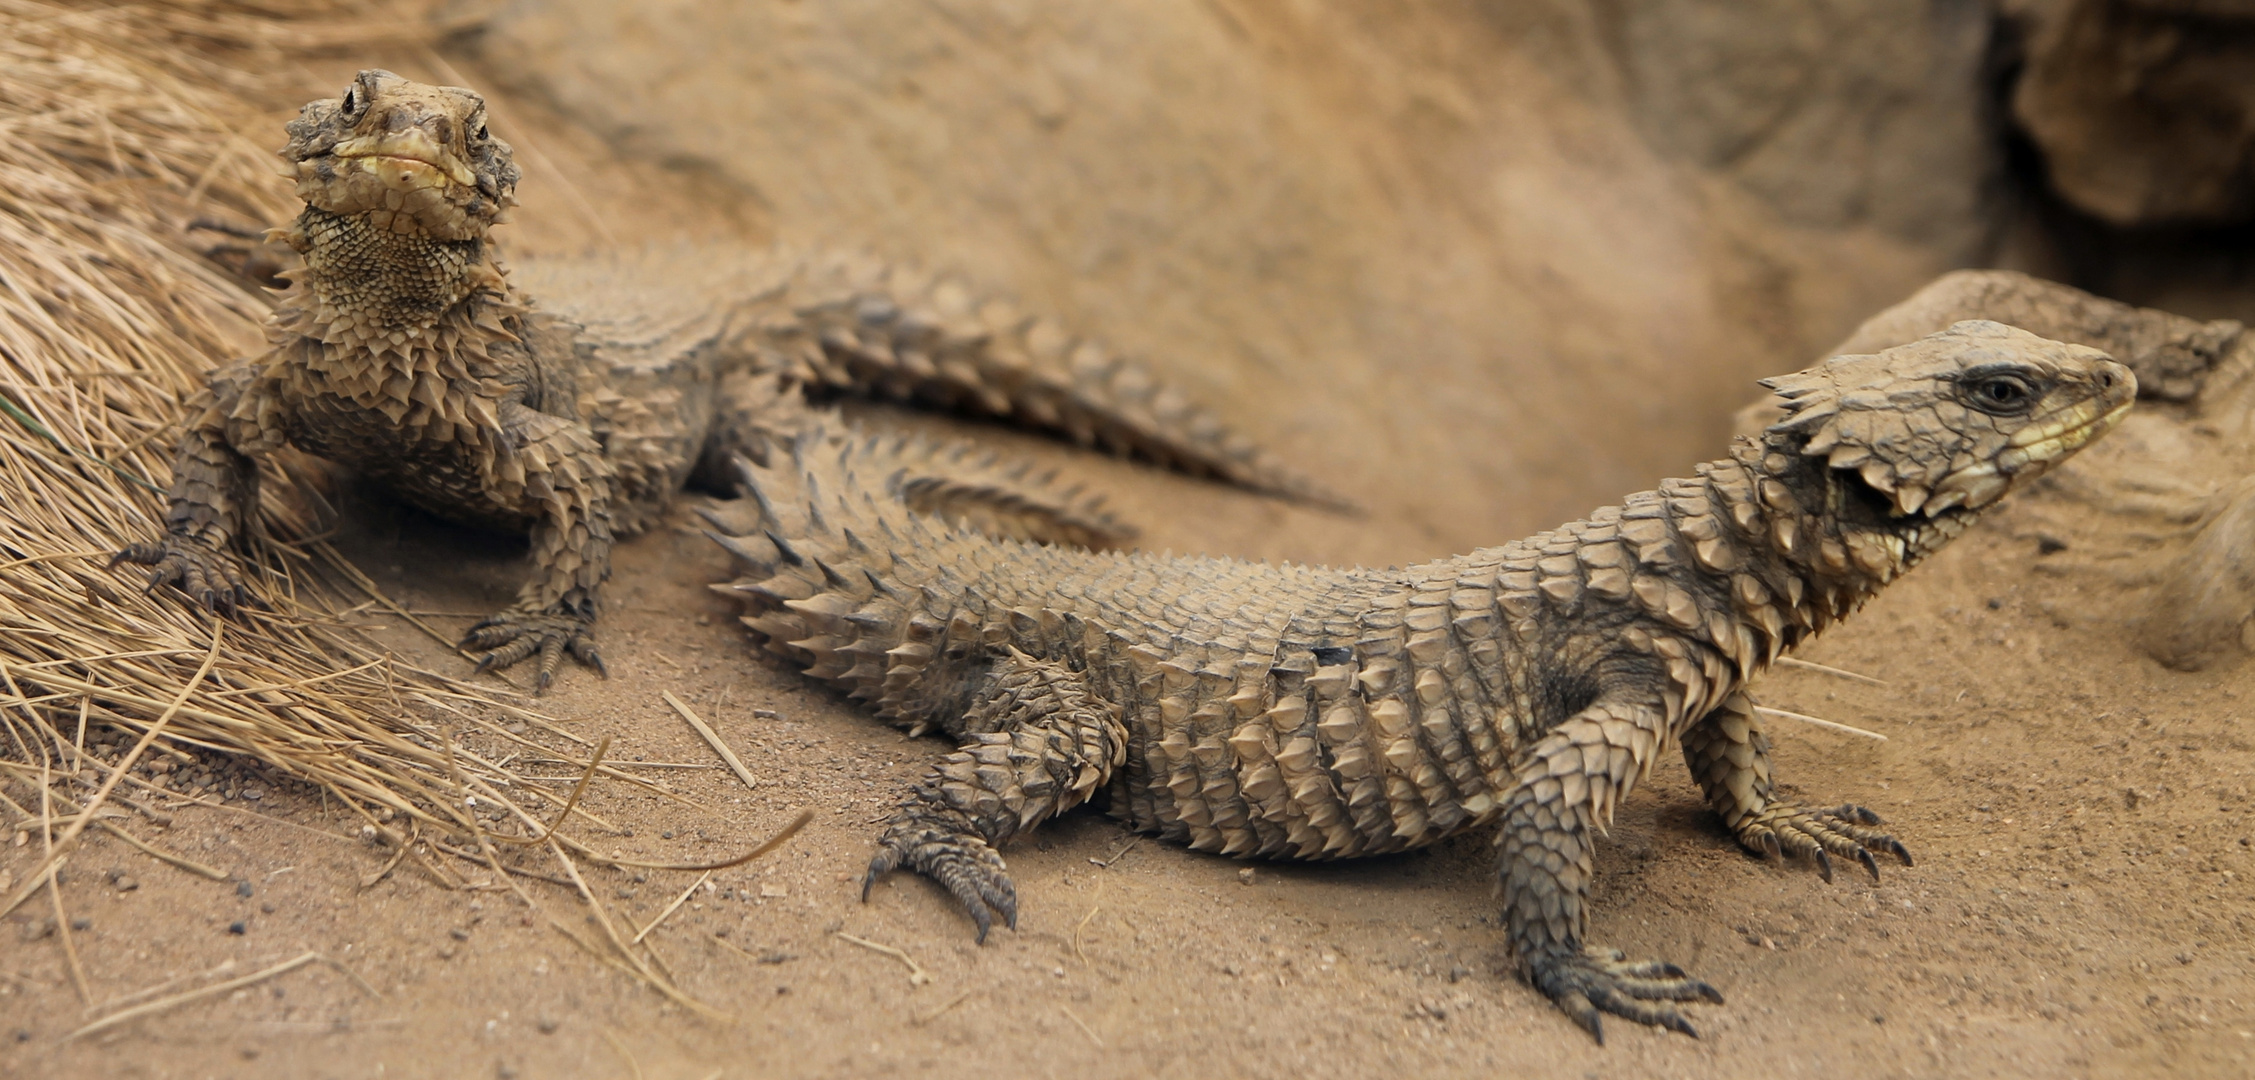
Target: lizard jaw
x=413, y=159
x=2030, y=453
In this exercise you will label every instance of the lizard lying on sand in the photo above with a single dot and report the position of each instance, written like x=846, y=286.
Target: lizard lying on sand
x=1308, y=713
x=402, y=349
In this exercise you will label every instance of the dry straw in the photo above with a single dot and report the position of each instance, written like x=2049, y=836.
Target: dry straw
x=119, y=125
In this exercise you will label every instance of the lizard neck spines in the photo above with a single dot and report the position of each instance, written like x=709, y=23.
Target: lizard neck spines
x=1779, y=544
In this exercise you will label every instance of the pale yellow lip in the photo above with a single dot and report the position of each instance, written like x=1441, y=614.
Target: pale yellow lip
x=410, y=146
x=2091, y=431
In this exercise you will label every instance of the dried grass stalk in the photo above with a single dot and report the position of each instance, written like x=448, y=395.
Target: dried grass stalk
x=119, y=125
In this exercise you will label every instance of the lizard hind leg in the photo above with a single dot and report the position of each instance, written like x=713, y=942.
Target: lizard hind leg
x=1037, y=741
x=1730, y=757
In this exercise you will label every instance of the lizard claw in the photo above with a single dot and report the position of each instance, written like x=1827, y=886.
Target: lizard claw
x=1589, y=982
x=1785, y=828
x=960, y=860
x=512, y=636
x=208, y=576
x=583, y=650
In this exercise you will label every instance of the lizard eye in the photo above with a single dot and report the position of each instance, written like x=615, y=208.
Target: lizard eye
x=2002, y=394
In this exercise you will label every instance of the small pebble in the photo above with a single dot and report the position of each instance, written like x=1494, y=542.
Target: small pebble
x=243, y=888
x=82, y=923
x=547, y=1025
x=1245, y=876
x=267, y=907
x=239, y=927
x=446, y=951
x=458, y=934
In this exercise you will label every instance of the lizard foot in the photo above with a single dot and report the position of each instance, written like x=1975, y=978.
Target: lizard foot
x=959, y=859
x=207, y=575
x=514, y=635
x=1590, y=981
x=1785, y=828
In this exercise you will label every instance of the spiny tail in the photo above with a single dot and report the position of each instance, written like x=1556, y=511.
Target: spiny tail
x=841, y=575
x=859, y=326
x=995, y=496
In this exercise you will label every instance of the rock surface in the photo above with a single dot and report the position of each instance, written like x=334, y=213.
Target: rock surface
x=1468, y=241
x=2144, y=109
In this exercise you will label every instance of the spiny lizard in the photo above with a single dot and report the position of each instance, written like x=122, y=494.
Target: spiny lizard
x=1281, y=711
x=406, y=349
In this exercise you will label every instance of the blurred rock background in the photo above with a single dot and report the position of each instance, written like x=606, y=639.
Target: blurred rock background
x=1481, y=264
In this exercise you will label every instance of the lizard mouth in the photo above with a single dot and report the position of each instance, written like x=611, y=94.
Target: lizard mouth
x=407, y=159
x=2030, y=453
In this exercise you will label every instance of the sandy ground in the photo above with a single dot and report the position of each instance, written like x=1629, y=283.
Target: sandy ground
x=2081, y=904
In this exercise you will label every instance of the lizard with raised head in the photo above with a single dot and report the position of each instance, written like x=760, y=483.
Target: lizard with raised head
x=405, y=348
x=1298, y=712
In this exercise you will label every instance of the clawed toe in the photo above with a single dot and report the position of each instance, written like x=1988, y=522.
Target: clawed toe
x=206, y=576
x=963, y=864
x=514, y=636
x=1592, y=982
x=1846, y=831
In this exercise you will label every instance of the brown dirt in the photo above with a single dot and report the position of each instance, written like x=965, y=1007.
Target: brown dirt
x=2081, y=905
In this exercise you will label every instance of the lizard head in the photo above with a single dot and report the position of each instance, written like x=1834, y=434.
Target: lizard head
x=1944, y=426
x=416, y=160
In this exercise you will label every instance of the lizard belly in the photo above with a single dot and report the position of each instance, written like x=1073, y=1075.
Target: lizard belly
x=1294, y=731
x=439, y=471
x=1278, y=787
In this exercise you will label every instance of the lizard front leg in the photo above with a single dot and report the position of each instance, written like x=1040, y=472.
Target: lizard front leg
x=1037, y=742
x=1730, y=757
x=214, y=490
x=552, y=470
x=1567, y=785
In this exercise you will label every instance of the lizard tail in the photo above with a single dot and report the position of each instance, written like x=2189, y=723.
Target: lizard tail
x=860, y=326
x=995, y=496
x=843, y=575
